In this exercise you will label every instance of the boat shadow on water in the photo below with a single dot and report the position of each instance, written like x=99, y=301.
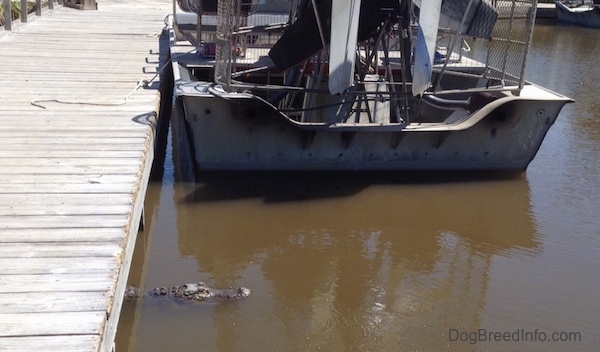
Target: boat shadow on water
x=273, y=187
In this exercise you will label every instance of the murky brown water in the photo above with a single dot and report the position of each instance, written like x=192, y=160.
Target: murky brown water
x=384, y=263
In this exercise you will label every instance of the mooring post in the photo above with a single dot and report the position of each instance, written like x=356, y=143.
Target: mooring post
x=24, y=11
x=7, y=15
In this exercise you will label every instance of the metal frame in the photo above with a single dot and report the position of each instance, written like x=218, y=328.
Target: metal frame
x=511, y=37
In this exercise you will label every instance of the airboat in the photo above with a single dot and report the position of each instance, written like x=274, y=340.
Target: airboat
x=580, y=12
x=358, y=85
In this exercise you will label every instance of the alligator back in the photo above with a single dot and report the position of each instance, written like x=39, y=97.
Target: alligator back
x=191, y=292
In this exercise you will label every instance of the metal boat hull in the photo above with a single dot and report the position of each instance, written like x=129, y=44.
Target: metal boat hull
x=586, y=15
x=229, y=136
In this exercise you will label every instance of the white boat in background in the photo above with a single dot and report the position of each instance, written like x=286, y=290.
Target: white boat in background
x=579, y=12
x=295, y=85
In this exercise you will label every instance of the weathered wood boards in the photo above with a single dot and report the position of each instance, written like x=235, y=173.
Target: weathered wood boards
x=76, y=148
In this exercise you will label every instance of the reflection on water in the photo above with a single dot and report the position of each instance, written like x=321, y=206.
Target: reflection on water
x=377, y=262
x=391, y=266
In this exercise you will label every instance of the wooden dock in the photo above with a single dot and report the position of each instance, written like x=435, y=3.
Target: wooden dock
x=76, y=149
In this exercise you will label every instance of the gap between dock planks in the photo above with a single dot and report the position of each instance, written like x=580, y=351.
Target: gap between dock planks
x=76, y=148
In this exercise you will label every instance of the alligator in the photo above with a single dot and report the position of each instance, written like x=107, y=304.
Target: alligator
x=190, y=292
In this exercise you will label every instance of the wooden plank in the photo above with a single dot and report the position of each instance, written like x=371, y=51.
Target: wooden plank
x=77, y=153
x=89, y=95
x=31, y=266
x=141, y=69
x=57, y=121
x=103, y=35
x=58, y=282
x=41, y=49
x=98, y=86
x=62, y=343
x=66, y=204
x=33, y=132
x=23, y=105
x=145, y=70
x=98, y=45
x=121, y=84
x=6, y=162
x=72, y=55
x=60, y=250
x=68, y=25
x=64, y=323
x=64, y=72
x=48, y=301
x=73, y=140
x=22, y=112
x=62, y=221
x=72, y=179
x=62, y=32
x=144, y=66
x=68, y=170
x=92, y=146
x=53, y=188
x=92, y=76
x=61, y=234
x=70, y=200
x=64, y=209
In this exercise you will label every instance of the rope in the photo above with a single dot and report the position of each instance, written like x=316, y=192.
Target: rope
x=142, y=83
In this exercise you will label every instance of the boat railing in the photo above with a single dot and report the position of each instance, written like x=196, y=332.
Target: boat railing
x=9, y=7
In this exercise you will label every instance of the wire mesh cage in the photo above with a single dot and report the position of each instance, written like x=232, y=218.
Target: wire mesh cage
x=281, y=48
x=501, y=57
x=507, y=55
x=246, y=30
x=494, y=33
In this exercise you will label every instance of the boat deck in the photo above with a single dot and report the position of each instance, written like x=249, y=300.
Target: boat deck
x=76, y=149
